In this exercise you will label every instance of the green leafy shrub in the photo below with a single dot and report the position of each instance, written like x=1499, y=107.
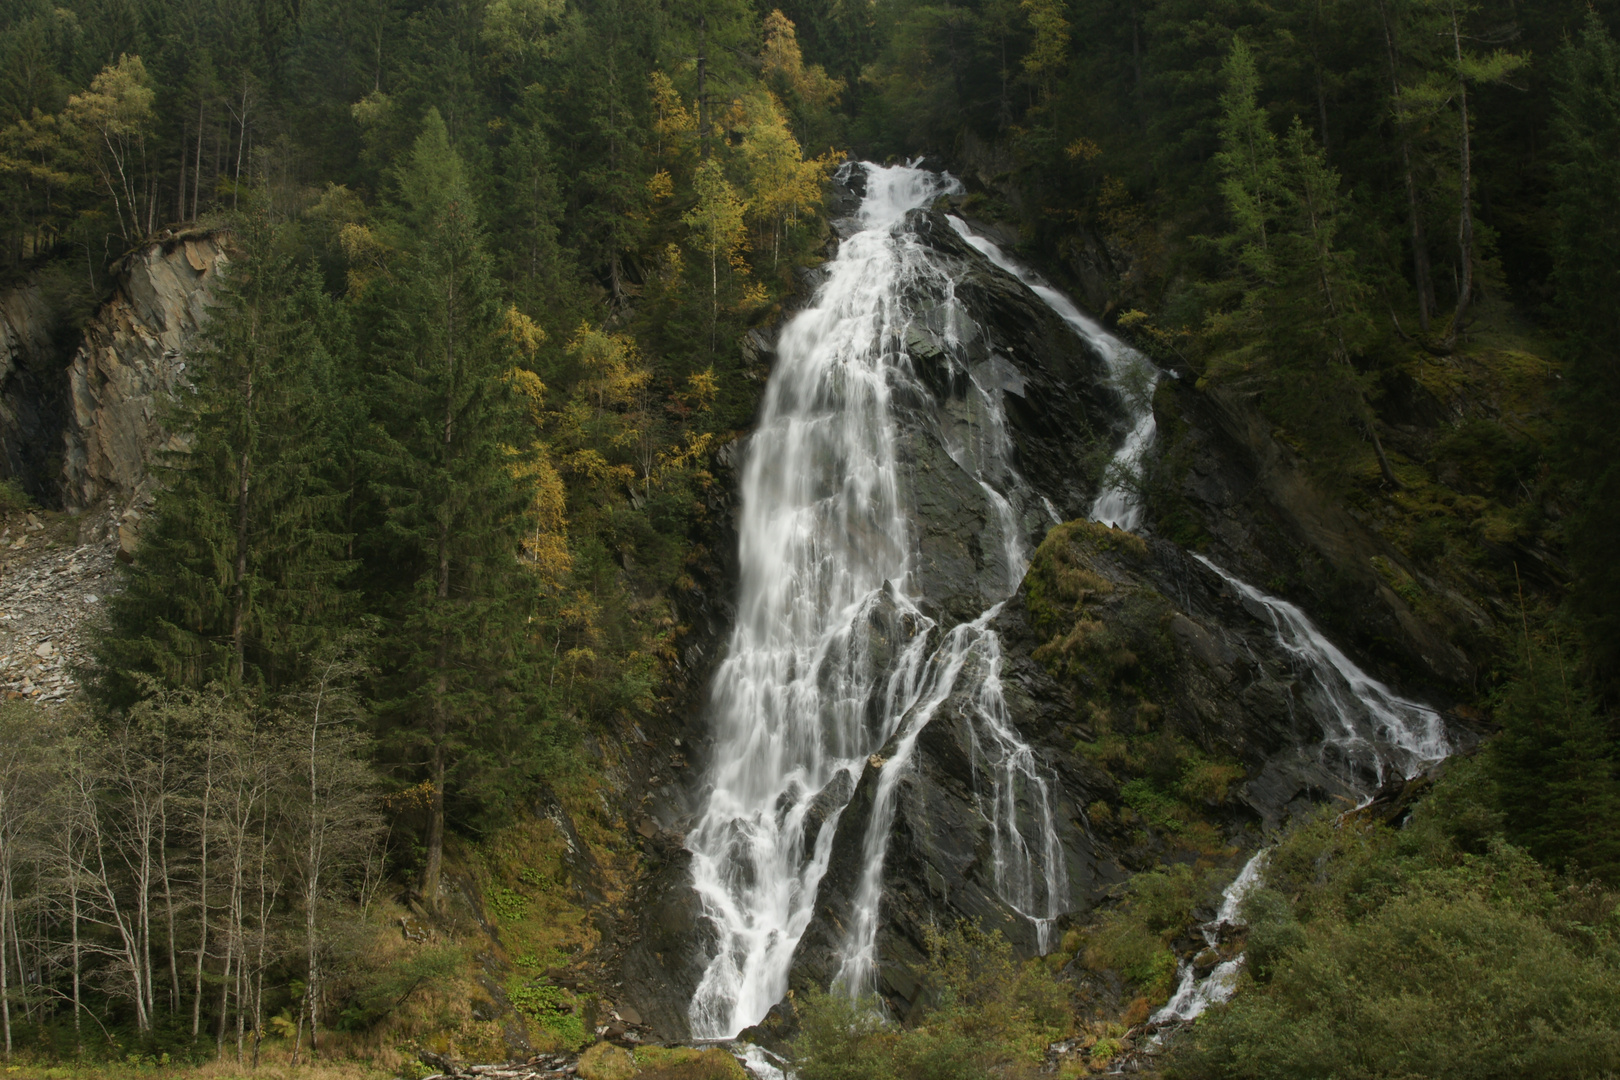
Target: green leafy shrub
x=1405, y=953
x=687, y=1063
x=1274, y=932
x=556, y=1010
x=13, y=499
x=383, y=990
x=508, y=904
x=986, y=1014
x=1134, y=938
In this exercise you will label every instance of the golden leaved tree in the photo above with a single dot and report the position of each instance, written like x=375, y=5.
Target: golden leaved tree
x=782, y=185
x=111, y=121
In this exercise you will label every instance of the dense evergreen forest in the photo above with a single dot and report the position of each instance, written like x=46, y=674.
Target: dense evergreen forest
x=452, y=462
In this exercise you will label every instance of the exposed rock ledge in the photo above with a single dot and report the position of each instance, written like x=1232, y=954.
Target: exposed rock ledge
x=128, y=367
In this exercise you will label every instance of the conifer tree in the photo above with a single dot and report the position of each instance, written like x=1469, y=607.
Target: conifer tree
x=1251, y=170
x=1299, y=323
x=1587, y=278
x=240, y=577
x=452, y=516
x=1555, y=766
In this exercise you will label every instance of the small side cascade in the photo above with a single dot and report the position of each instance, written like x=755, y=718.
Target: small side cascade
x=1193, y=995
x=1378, y=730
x=1132, y=374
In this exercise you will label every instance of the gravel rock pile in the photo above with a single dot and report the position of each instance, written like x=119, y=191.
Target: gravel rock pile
x=51, y=588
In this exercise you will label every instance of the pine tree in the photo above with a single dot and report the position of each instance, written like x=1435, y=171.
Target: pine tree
x=1299, y=323
x=1444, y=90
x=1587, y=279
x=1555, y=765
x=452, y=517
x=240, y=577
x=1250, y=167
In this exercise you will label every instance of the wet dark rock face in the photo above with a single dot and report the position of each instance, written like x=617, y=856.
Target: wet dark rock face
x=1222, y=684
x=32, y=389
x=1260, y=515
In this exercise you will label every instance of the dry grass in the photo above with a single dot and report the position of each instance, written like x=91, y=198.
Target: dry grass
x=272, y=1066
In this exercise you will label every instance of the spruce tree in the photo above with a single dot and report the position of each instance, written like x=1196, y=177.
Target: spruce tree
x=451, y=514
x=1555, y=766
x=1586, y=276
x=239, y=577
x=1298, y=323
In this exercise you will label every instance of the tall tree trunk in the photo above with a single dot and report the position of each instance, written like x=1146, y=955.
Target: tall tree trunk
x=1465, y=219
x=440, y=730
x=1321, y=93
x=312, y=889
x=241, y=143
x=1422, y=276
x=168, y=902
x=224, y=998
x=180, y=177
x=196, y=169
x=703, y=83
x=202, y=890
x=244, y=468
x=143, y=912
x=5, y=981
x=73, y=915
x=266, y=898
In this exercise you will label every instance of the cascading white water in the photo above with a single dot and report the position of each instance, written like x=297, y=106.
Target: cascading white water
x=831, y=657
x=830, y=654
x=1134, y=376
x=1194, y=995
x=824, y=538
x=1376, y=726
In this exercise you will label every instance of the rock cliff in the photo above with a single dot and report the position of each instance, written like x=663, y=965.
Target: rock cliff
x=128, y=367
x=81, y=411
x=1172, y=721
x=32, y=389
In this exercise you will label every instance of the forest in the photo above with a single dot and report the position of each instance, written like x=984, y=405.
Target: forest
x=499, y=283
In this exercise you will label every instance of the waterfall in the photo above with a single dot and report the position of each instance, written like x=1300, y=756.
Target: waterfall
x=831, y=657
x=1376, y=727
x=1193, y=995
x=1133, y=375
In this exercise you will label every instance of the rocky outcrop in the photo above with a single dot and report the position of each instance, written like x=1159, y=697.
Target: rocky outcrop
x=1264, y=517
x=127, y=369
x=1186, y=731
x=1181, y=665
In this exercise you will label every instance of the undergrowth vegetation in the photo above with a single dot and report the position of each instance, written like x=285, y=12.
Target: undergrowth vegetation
x=1111, y=644
x=1437, y=950
x=987, y=1014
